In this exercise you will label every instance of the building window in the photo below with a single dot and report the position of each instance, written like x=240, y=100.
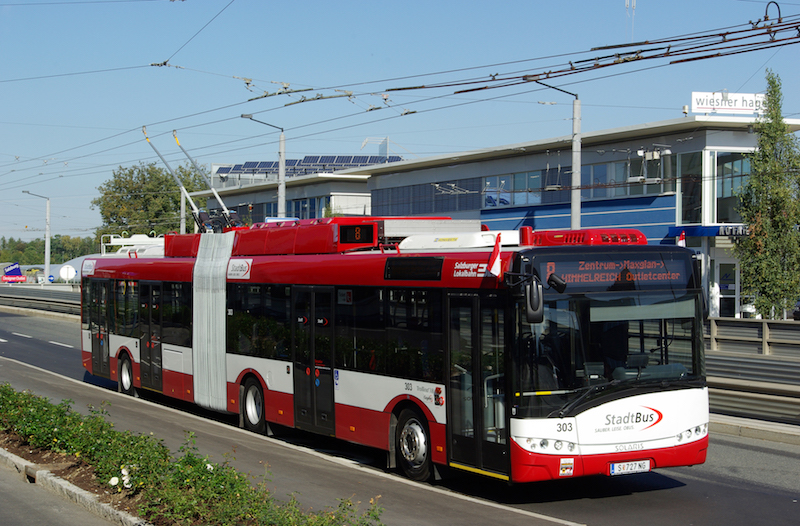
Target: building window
x=422, y=198
x=401, y=201
x=691, y=176
x=594, y=182
x=619, y=179
x=733, y=171
x=428, y=198
x=556, y=183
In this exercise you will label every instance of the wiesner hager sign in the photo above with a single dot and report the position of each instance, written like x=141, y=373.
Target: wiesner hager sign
x=724, y=102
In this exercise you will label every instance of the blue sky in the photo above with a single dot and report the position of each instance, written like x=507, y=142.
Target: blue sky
x=77, y=85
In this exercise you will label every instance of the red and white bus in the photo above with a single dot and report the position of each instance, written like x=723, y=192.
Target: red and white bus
x=519, y=355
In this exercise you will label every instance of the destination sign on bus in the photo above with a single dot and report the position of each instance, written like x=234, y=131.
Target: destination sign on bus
x=604, y=272
x=351, y=234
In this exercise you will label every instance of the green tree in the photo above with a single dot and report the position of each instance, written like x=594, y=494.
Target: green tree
x=144, y=199
x=769, y=255
x=64, y=248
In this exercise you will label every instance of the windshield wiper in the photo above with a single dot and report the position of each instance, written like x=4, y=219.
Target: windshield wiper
x=589, y=390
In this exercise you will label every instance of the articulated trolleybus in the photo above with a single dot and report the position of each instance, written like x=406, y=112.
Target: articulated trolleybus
x=519, y=355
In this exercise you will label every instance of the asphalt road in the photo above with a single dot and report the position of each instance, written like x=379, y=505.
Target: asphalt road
x=28, y=504
x=744, y=482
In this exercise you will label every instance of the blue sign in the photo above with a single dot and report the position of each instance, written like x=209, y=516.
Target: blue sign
x=12, y=270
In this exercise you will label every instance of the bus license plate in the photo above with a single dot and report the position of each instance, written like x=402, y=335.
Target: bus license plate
x=624, y=468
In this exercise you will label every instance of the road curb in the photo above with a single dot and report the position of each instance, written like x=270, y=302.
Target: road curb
x=44, y=478
x=744, y=427
x=41, y=313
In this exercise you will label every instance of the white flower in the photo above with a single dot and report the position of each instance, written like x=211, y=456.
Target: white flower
x=209, y=467
x=125, y=472
x=114, y=481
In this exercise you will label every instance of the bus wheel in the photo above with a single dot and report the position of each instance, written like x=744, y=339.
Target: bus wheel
x=125, y=383
x=413, y=445
x=253, y=406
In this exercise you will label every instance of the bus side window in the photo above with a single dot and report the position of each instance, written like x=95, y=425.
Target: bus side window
x=360, y=329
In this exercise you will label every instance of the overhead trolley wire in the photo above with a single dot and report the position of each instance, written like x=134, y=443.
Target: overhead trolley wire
x=719, y=43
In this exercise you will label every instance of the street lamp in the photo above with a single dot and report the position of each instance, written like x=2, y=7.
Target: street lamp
x=281, y=165
x=46, y=235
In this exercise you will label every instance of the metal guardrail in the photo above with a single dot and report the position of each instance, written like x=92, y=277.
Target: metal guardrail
x=742, y=379
x=744, y=336
x=64, y=299
x=753, y=368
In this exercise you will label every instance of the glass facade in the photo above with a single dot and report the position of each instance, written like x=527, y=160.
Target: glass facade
x=537, y=187
x=691, y=176
x=733, y=171
x=430, y=198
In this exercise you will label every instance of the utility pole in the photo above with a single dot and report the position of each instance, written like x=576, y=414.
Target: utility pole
x=281, y=164
x=575, y=192
x=46, y=236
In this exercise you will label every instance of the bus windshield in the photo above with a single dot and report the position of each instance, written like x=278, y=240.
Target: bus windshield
x=592, y=340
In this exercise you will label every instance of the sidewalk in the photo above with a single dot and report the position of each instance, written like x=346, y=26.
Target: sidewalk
x=745, y=427
x=39, y=497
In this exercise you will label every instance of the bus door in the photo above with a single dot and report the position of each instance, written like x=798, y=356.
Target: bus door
x=478, y=430
x=98, y=325
x=313, y=359
x=150, y=344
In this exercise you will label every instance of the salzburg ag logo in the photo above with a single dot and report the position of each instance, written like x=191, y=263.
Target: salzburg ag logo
x=651, y=417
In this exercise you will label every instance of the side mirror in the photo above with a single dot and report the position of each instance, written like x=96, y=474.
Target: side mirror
x=556, y=283
x=534, y=302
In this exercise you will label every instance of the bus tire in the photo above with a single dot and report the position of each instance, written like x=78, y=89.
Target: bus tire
x=413, y=445
x=253, y=406
x=125, y=375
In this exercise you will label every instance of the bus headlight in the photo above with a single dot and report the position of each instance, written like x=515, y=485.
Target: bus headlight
x=547, y=445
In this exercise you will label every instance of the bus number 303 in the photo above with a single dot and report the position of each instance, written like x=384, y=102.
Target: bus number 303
x=564, y=428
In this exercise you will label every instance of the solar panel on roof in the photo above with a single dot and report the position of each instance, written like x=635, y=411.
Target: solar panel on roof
x=236, y=169
x=344, y=159
x=224, y=169
x=395, y=158
x=250, y=165
x=376, y=159
x=291, y=162
x=327, y=159
x=360, y=159
x=311, y=159
x=264, y=164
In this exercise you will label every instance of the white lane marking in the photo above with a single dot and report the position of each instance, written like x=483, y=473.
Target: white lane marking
x=62, y=344
x=3, y=341
x=21, y=335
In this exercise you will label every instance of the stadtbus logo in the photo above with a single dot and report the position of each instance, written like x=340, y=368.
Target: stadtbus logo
x=239, y=268
x=632, y=419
